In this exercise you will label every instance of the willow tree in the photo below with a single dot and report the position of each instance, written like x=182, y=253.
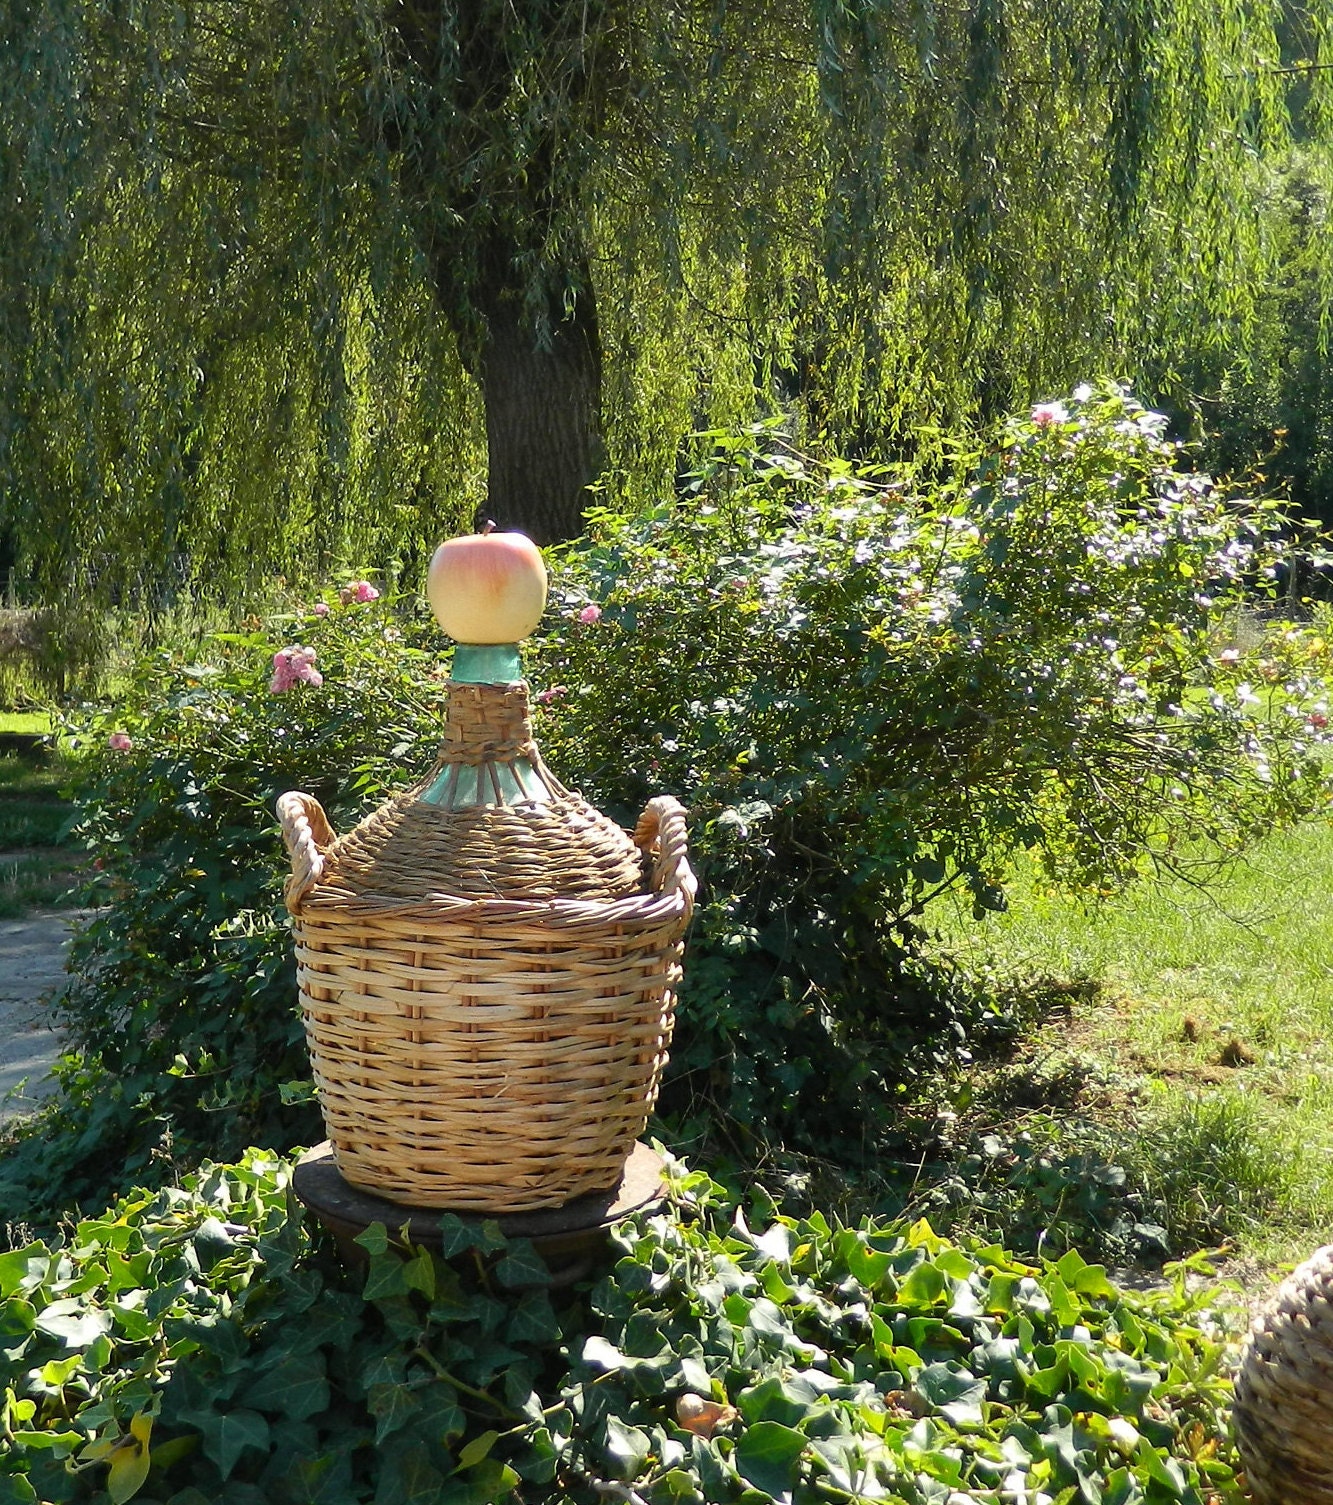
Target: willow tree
x=289, y=282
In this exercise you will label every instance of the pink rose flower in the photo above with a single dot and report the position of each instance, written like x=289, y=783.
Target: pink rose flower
x=321, y=608
x=294, y=666
x=360, y=591
x=590, y=614
x=1044, y=414
x=545, y=697
x=119, y=742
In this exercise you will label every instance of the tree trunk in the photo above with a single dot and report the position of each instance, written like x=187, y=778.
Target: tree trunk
x=533, y=348
x=543, y=402
x=542, y=392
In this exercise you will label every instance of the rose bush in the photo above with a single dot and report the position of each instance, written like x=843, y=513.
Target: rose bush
x=872, y=685
x=869, y=686
x=181, y=1010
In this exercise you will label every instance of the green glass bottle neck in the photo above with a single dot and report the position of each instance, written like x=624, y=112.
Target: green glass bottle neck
x=486, y=664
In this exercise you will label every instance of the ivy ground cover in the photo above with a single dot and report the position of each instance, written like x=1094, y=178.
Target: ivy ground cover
x=199, y=1344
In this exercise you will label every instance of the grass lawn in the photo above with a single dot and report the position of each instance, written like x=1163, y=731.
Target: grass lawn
x=38, y=868
x=48, y=881
x=1212, y=1012
x=25, y=723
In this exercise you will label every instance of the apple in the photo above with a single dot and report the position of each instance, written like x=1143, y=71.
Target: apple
x=487, y=587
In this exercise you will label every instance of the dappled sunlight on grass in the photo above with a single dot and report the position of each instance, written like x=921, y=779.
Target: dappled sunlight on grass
x=1223, y=997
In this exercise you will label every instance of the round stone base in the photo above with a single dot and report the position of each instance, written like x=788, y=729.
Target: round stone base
x=568, y=1238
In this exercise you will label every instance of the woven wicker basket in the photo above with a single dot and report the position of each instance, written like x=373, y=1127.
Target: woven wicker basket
x=1283, y=1414
x=482, y=1051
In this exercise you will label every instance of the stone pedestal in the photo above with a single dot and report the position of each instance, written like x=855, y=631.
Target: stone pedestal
x=569, y=1238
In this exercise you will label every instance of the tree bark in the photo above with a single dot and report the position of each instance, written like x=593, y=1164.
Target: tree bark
x=542, y=390
x=533, y=347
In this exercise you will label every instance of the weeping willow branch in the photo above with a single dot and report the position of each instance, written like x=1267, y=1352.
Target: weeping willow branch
x=254, y=248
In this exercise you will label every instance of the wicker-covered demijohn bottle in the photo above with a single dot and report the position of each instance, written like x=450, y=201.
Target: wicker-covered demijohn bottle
x=487, y=965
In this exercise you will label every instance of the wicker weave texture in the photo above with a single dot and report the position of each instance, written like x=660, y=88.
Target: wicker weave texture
x=1283, y=1414
x=476, y=844
x=564, y=849
x=487, y=1055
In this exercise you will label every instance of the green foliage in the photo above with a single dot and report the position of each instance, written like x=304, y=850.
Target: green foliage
x=1216, y=1166
x=245, y=245
x=37, y=866
x=1272, y=412
x=873, y=685
x=183, y=1002
x=195, y=1346
x=869, y=687
x=33, y=810
x=28, y=883
x=1136, y=1186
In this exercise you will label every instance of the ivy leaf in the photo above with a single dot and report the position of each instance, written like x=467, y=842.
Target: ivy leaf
x=51, y=1377
x=540, y=1459
x=522, y=1266
x=677, y=1484
x=489, y=1238
x=60, y=1443
x=477, y=1449
x=625, y=1449
x=455, y=1235
x=17, y=1318
x=1087, y=1280
x=296, y=1387
x=768, y=1456
x=868, y=1265
x=776, y=1244
x=386, y=1277
x=129, y=1468
x=487, y=1484
x=14, y=1270
x=392, y=1405
x=325, y=1480
x=385, y=1369
x=408, y=1477
x=1163, y=1471
x=375, y=1240
x=599, y=1354
x=212, y=1242
x=227, y=1434
x=534, y=1320
x=772, y=1400
x=419, y=1274
x=953, y=1392
x=172, y=1451
x=922, y=1287
x=74, y=1323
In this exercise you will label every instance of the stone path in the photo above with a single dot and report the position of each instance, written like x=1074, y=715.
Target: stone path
x=32, y=959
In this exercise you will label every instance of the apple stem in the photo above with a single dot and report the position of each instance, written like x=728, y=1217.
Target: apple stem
x=489, y=527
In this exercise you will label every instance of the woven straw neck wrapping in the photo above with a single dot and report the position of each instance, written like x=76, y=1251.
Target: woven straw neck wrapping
x=487, y=724
x=490, y=821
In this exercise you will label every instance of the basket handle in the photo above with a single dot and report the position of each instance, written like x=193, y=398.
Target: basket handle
x=660, y=832
x=308, y=836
